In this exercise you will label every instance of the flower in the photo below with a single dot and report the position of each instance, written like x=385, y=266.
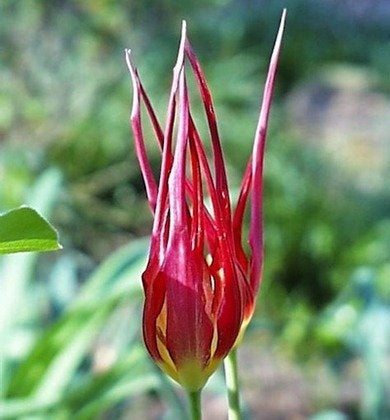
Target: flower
x=199, y=283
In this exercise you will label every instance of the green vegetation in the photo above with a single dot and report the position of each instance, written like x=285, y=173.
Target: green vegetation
x=23, y=229
x=70, y=321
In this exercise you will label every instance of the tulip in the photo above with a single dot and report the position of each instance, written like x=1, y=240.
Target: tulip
x=199, y=283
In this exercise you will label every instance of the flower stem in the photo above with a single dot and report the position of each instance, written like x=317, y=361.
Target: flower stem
x=194, y=398
x=233, y=389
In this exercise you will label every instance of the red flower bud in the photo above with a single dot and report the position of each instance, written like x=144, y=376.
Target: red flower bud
x=199, y=284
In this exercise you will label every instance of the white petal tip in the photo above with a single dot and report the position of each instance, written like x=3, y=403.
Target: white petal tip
x=283, y=18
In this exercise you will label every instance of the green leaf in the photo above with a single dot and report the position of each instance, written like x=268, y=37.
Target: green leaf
x=53, y=362
x=24, y=229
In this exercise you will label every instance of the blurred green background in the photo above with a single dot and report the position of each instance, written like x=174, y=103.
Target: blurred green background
x=318, y=347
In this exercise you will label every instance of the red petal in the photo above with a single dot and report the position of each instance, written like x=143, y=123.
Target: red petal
x=256, y=221
x=220, y=173
x=239, y=216
x=189, y=327
x=150, y=183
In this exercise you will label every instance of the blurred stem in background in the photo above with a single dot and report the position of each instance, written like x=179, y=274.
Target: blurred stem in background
x=232, y=385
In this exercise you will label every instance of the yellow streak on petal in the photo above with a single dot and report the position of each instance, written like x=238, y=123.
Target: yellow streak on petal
x=166, y=364
x=240, y=336
x=214, y=342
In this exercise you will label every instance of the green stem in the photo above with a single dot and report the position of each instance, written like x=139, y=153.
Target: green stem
x=233, y=388
x=195, y=404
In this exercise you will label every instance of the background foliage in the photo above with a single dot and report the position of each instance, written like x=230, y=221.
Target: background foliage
x=69, y=322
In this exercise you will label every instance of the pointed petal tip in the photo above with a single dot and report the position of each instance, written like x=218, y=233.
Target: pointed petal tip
x=134, y=80
x=278, y=40
x=282, y=22
x=183, y=27
x=180, y=55
x=129, y=60
x=183, y=36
